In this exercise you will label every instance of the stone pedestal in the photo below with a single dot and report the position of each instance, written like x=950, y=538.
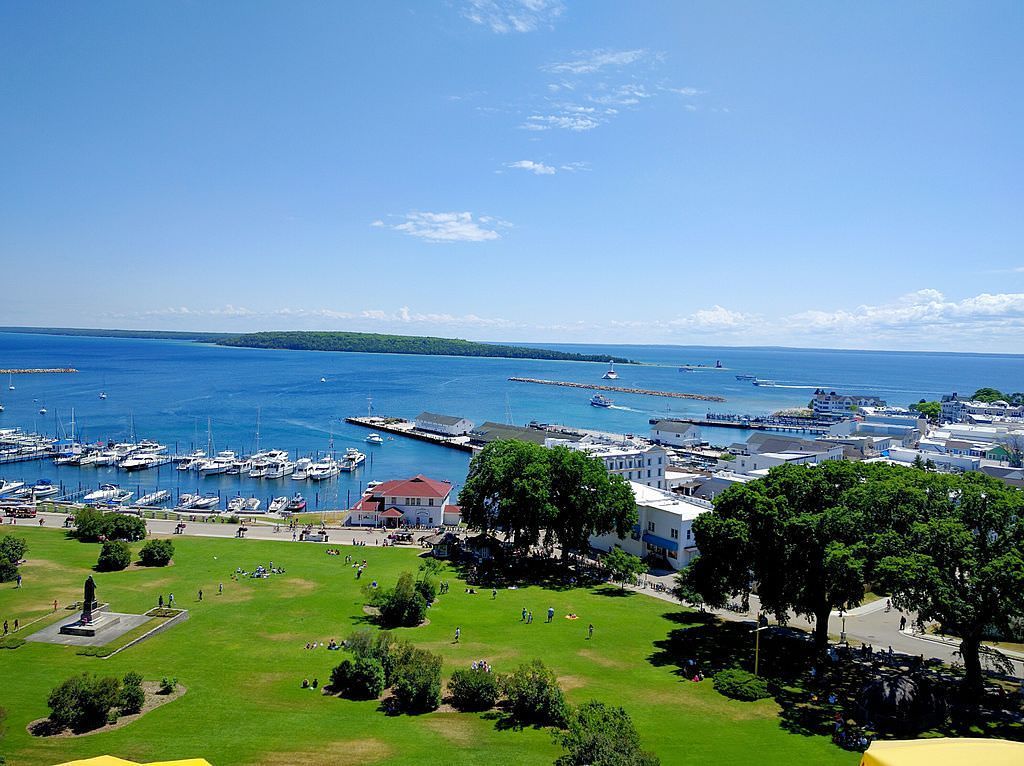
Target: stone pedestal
x=99, y=621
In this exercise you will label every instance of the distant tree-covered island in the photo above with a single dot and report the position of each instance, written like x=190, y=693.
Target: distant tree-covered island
x=375, y=343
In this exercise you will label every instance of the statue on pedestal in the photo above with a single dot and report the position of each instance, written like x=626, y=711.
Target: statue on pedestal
x=90, y=600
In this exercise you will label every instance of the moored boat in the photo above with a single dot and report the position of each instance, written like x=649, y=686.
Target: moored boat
x=154, y=498
x=375, y=439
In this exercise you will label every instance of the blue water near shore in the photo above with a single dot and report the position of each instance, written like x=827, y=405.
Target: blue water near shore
x=171, y=388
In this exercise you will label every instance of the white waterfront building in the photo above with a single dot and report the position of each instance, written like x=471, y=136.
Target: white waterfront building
x=676, y=433
x=446, y=425
x=631, y=459
x=664, y=528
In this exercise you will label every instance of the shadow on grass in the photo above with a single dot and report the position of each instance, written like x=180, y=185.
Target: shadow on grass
x=610, y=592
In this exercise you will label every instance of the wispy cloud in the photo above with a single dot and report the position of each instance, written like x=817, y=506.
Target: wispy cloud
x=505, y=16
x=588, y=62
x=575, y=119
x=537, y=168
x=448, y=227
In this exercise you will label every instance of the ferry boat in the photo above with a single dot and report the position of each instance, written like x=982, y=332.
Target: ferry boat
x=352, y=460
x=600, y=401
x=375, y=439
x=746, y=376
x=279, y=504
x=610, y=374
x=154, y=498
x=323, y=469
x=763, y=382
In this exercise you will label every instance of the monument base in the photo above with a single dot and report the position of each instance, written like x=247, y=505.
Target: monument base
x=101, y=620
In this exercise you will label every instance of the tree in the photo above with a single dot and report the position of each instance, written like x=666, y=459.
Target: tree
x=114, y=556
x=474, y=690
x=417, y=680
x=623, y=566
x=793, y=536
x=362, y=679
x=597, y=734
x=931, y=410
x=988, y=394
x=132, y=697
x=587, y=499
x=402, y=606
x=156, y=553
x=12, y=551
x=534, y=696
x=508, y=488
x=92, y=525
x=1014, y=446
x=959, y=560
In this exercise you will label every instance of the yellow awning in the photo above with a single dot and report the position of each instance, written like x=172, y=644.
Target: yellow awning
x=944, y=752
x=109, y=760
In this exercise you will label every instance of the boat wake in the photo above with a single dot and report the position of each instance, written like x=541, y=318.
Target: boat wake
x=625, y=409
x=808, y=388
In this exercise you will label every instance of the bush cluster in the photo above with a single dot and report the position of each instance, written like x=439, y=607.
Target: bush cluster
x=534, y=696
x=362, y=679
x=417, y=679
x=740, y=685
x=12, y=550
x=597, y=734
x=92, y=525
x=167, y=685
x=114, y=556
x=474, y=690
x=381, y=660
x=156, y=553
x=402, y=606
x=86, y=702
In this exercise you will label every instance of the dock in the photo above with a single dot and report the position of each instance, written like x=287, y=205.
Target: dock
x=22, y=457
x=407, y=428
x=753, y=423
x=621, y=389
x=36, y=370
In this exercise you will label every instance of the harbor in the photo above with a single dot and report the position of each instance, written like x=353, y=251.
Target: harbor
x=620, y=389
x=400, y=427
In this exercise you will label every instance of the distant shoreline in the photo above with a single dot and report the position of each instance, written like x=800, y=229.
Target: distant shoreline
x=351, y=342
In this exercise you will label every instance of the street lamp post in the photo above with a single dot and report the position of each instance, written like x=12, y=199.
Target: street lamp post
x=757, y=646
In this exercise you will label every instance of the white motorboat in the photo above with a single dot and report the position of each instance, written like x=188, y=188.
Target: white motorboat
x=278, y=469
x=105, y=493
x=1, y=408
x=206, y=502
x=107, y=457
x=296, y=505
x=302, y=466
x=122, y=496
x=140, y=461
x=610, y=374
x=352, y=460
x=41, y=489
x=278, y=504
x=103, y=394
x=323, y=380
x=322, y=469
x=191, y=461
x=219, y=464
x=187, y=501
x=236, y=504
x=375, y=439
x=154, y=498
x=252, y=505
x=240, y=465
x=89, y=458
x=764, y=383
x=7, y=487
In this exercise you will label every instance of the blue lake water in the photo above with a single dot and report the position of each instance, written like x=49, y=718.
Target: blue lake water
x=171, y=389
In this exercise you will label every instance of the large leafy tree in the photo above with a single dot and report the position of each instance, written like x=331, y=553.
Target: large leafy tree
x=958, y=559
x=587, y=500
x=508, y=488
x=792, y=536
x=597, y=734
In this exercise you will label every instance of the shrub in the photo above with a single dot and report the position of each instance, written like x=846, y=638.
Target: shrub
x=740, y=685
x=474, y=690
x=168, y=685
x=534, y=695
x=599, y=735
x=402, y=606
x=156, y=553
x=427, y=589
x=417, y=680
x=88, y=525
x=132, y=696
x=11, y=642
x=83, y=702
x=114, y=556
x=12, y=550
x=362, y=679
x=91, y=525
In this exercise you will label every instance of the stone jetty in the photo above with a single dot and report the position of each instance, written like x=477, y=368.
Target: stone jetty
x=36, y=370
x=621, y=389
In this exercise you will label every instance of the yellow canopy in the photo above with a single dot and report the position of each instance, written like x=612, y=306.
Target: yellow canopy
x=109, y=760
x=944, y=752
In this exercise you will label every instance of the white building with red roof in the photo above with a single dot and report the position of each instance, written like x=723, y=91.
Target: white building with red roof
x=418, y=501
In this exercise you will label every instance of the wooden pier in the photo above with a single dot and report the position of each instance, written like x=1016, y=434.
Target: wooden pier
x=23, y=457
x=753, y=424
x=400, y=427
x=621, y=389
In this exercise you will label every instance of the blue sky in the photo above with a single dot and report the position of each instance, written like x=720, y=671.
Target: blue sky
x=807, y=174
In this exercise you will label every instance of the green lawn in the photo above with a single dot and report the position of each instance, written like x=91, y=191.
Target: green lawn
x=242, y=658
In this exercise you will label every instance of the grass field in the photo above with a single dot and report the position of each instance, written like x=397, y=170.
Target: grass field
x=241, y=656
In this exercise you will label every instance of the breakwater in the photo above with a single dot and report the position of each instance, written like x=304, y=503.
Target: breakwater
x=752, y=423
x=36, y=370
x=621, y=389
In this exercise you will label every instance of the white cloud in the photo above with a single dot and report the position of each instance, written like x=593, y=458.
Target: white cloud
x=378, y=223
x=574, y=167
x=504, y=16
x=537, y=168
x=588, y=62
x=685, y=91
x=450, y=227
x=715, y=319
x=575, y=121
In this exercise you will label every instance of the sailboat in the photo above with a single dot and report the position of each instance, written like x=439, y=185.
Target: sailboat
x=10, y=382
x=103, y=392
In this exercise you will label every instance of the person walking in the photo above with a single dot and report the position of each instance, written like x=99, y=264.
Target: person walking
x=55, y=605
x=458, y=634
x=551, y=614
x=170, y=600
x=523, y=618
x=160, y=601
x=200, y=594
x=903, y=623
x=220, y=589
x=494, y=593
x=529, y=618
x=590, y=631
x=19, y=581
